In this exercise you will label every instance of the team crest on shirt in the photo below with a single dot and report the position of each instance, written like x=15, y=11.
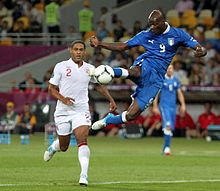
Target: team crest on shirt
x=87, y=70
x=171, y=41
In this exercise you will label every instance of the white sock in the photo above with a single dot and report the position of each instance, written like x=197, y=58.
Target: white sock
x=123, y=116
x=83, y=156
x=55, y=146
x=124, y=73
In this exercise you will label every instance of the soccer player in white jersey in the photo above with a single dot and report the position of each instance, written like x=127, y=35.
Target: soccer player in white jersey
x=69, y=85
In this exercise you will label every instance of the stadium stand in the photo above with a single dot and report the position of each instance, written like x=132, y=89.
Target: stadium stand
x=205, y=18
x=14, y=56
x=189, y=19
x=173, y=17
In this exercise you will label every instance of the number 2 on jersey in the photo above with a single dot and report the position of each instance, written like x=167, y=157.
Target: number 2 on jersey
x=68, y=72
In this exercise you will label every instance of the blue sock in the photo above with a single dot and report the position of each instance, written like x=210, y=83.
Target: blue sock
x=167, y=141
x=50, y=139
x=73, y=141
x=118, y=72
x=116, y=119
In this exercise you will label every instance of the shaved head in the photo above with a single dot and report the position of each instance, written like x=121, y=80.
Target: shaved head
x=156, y=15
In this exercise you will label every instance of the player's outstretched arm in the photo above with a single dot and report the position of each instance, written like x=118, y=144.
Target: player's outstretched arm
x=115, y=46
x=53, y=90
x=199, y=51
x=155, y=105
x=104, y=91
x=181, y=99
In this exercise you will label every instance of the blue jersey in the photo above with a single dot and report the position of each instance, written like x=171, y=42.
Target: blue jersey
x=160, y=49
x=168, y=92
x=167, y=103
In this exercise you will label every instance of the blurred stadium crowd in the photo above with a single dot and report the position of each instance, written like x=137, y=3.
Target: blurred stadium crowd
x=201, y=18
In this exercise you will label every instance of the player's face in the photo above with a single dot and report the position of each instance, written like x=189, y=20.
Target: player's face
x=77, y=52
x=156, y=24
x=170, y=71
x=9, y=108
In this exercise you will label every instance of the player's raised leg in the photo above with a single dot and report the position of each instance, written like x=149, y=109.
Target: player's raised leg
x=143, y=97
x=132, y=112
x=120, y=72
x=130, y=73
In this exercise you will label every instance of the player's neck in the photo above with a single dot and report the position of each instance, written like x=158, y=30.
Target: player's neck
x=166, y=27
x=79, y=63
x=169, y=76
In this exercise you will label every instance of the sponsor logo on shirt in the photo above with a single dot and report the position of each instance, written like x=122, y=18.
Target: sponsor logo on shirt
x=151, y=41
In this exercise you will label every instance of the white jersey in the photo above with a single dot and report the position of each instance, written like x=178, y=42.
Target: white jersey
x=73, y=82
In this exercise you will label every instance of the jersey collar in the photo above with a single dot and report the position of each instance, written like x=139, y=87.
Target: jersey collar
x=75, y=64
x=167, y=29
x=167, y=77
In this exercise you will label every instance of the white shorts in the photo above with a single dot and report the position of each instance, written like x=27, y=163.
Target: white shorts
x=65, y=124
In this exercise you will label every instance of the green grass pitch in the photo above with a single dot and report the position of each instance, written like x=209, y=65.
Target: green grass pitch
x=116, y=164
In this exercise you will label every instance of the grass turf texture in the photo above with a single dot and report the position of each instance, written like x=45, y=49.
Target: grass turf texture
x=116, y=164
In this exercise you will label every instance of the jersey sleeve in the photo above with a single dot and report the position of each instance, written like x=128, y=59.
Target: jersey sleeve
x=56, y=76
x=187, y=40
x=137, y=40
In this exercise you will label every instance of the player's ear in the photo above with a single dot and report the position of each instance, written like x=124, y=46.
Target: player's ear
x=69, y=49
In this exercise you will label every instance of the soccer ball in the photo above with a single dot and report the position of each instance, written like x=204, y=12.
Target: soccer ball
x=104, y=74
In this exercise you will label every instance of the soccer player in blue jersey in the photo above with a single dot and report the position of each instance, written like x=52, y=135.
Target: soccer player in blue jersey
x=161, y=42
x=167, y=105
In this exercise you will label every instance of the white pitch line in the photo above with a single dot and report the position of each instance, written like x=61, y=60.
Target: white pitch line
x=116, y=182
x=157, y=182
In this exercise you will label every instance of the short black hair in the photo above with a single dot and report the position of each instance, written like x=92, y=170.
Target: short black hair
x=78, y=41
